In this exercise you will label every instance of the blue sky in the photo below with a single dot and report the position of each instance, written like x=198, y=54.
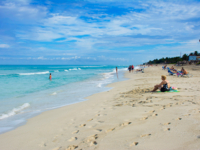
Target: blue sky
x=97, y=31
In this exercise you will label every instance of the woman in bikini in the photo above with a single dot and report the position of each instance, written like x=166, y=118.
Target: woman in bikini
x=50, y=77
x=163, y=86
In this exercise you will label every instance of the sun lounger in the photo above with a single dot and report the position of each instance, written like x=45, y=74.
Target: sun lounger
x=170, y=72
x=187, y=75
x=142, y=71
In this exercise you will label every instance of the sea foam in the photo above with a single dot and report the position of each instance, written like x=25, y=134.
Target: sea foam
x=34, y=73
x=15, y=111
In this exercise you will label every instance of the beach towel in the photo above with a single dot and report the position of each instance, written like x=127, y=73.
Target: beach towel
x=168, y=91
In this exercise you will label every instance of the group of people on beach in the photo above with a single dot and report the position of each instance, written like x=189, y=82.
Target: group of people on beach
x=131, y=68
x=173, y=70
x=183, y=71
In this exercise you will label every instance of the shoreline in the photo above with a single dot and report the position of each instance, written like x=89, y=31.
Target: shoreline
x=52, y=99
x=124, y=117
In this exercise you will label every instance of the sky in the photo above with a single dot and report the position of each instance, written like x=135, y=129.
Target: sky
x=97, y=32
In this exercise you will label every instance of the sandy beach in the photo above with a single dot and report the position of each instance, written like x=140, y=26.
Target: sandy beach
x=128, y=116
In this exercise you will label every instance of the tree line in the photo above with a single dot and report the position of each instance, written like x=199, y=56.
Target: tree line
x=185, y=57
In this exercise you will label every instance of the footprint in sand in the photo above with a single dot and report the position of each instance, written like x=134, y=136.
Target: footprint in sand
x=162, y=108
x=167, y=123
x=101, y=121
x=73, y=139
x=125, y=124
x=118, y=104
x=145, y=135
x=82, y=125
x=90, y=119
x=93, y=143
x=57, y=148
x=155, y=115
x=92, y=138
x=134, y=144
x=72, y=147
x=145, y=118
x=152, y=111
x=179, y=119
x=167, y=129
x=75, y=132
x=99, y=130
x=109, y=130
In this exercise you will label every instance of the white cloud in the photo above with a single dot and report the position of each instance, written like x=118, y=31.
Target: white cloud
x=22, y=11
x=4, y=46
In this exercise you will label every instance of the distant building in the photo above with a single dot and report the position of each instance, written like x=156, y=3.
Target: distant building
x=194, y=57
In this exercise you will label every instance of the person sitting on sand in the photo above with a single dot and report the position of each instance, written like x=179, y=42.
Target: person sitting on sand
x=139, y=70
x=172, y=68
x=184, y=72
x=165, y=66
x=163, y=86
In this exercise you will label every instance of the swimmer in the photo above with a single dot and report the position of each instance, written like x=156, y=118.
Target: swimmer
x=50, y=77
x=117, y=72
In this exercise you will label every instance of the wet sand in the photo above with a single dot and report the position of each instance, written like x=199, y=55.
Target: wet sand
x=128, y=116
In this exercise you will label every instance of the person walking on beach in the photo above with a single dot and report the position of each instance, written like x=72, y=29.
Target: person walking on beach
x=129, y=68
x=117, y=72
x=163, y=86
x=50, y=77
x=132, y=68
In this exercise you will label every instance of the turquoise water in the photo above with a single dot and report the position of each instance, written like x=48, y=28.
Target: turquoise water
x=26, y=90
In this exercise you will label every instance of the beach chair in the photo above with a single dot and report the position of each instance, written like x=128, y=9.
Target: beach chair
x=170, y=72
x=163, y=68
x=187, y=75
x=142, y=71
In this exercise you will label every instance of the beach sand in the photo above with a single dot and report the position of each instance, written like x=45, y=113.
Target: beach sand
x=126, y=117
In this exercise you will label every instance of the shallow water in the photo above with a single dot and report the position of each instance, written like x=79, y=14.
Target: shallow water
x=26, y=91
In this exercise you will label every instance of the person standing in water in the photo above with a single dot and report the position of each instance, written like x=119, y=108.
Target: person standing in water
x=50, y=77
x=117, y=72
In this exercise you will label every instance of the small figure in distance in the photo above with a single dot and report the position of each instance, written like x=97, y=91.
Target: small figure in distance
x=117, y=72
x=50, y=77
x=129, y=68
x=132, y=68
x=163, y=86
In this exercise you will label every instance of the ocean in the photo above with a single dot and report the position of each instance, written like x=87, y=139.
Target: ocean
x=26, y=90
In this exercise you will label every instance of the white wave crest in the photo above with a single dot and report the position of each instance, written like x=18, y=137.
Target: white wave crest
x=66, y=70
x=54, y=93
x=79, y=68
x=34, y=73
x=56, y=71
x=99, y=85
x=73, y=69
x=108, y=75
x=91, y=66
x=15, y=111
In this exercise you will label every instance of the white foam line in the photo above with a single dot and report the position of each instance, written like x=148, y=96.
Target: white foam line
x=14, y=111
x=34, y=73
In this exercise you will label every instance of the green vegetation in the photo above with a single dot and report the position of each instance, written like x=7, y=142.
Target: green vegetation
x=172, y=60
